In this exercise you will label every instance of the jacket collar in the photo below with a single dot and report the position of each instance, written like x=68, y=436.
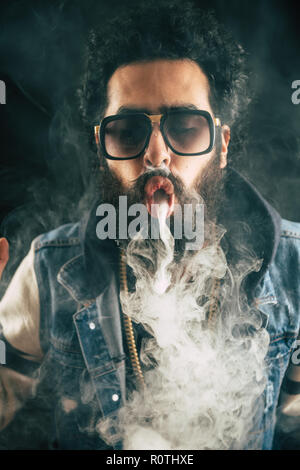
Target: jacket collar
x=252, y=225
x=88, y=274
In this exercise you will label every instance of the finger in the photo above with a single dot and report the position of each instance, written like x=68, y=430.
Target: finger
x=4, y=254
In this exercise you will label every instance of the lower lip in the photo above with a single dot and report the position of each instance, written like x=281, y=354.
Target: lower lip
x=162, y=202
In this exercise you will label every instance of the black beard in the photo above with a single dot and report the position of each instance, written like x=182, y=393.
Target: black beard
x=207, y=190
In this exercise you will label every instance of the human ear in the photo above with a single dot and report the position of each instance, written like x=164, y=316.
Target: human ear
x=224, y=147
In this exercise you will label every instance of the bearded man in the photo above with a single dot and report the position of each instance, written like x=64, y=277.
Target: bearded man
x=140, y=342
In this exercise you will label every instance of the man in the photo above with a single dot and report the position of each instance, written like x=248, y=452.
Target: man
x=192, y=353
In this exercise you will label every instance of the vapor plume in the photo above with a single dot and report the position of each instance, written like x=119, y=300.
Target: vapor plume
x=203, y=380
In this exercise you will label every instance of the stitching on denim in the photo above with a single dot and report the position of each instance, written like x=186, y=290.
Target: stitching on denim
x=60, y=347
x=288, y=234
x=66, y=364
x=44, y=317
x=100, y=370
x=69, y=263
x=57, y=243
x=116, y=365
x=56, y=355
x=287, y=336
x=68, y=288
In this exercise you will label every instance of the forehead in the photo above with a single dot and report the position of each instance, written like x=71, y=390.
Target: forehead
x=158, y=84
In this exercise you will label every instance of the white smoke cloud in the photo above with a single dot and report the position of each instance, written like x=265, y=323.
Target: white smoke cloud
x=202, y=384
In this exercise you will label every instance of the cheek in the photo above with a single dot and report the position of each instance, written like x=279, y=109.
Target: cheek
x=189, y=168
x=126, y=171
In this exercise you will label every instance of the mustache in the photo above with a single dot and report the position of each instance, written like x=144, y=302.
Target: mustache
x=137, y=189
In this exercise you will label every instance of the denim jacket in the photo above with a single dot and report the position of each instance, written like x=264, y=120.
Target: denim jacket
x=80, y=328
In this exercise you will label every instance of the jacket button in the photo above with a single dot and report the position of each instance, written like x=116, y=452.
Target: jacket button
x=92, y=325
x=115, y=397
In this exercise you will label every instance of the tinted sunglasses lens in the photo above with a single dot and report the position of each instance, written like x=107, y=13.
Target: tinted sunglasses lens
x=188, y=133
x=125, y=137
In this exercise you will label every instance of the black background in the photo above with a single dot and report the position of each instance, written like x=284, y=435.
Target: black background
x=40, y=60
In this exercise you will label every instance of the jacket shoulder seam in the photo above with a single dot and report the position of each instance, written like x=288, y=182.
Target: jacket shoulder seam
x=56, y=243
x=290, y=234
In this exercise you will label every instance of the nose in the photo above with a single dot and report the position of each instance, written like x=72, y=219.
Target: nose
x=157, y=152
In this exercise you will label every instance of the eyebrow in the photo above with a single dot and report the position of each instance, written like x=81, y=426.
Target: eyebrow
x=162, y=109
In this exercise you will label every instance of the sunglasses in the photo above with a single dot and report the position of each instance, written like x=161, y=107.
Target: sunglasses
x=187, y=133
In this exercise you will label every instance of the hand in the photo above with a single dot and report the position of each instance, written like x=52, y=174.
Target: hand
x=4, y=254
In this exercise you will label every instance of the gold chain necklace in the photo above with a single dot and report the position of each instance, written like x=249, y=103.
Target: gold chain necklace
x=134, y=358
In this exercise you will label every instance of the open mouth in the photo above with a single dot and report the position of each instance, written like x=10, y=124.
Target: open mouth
x=159, y=191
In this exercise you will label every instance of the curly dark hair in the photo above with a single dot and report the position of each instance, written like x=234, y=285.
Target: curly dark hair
x=165, y=30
